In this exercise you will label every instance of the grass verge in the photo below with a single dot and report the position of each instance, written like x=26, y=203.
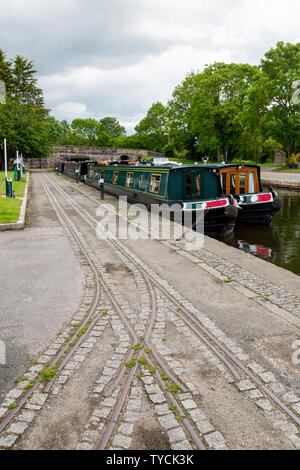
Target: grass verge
x=18, y=186
x=9, y=210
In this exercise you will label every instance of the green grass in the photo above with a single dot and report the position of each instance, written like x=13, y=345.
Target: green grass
x=286, y=169
x=17, y=186
x=9, y=210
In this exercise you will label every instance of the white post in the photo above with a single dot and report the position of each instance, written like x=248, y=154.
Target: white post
x=5, y=159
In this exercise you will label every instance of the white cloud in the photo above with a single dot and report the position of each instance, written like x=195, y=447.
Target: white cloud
x=116, y=58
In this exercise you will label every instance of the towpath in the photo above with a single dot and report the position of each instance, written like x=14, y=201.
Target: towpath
x=141, y=344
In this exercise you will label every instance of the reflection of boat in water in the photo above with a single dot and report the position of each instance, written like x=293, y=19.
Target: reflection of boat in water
x=259, y=240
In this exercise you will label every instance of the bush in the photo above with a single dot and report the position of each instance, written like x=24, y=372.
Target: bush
x=293, y=160
x=169, y=150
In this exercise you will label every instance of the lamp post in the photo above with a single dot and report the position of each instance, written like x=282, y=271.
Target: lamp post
x=8, y=182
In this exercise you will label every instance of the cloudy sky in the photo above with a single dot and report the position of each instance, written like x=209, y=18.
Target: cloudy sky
x=99, y=58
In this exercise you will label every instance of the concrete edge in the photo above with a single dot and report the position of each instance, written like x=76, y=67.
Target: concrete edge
x=281, y=184
x=21, y=221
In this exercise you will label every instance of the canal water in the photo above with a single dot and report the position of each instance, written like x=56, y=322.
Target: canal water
x=278, y=243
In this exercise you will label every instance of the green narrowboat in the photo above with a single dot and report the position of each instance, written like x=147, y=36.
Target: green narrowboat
x=194, y=187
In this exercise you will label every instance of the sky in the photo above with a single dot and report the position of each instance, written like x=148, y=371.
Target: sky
x=99, y=58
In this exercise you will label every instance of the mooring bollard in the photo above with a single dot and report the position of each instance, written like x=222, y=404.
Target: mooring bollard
x=77, y=175
x=101, y=185
x=8, y=187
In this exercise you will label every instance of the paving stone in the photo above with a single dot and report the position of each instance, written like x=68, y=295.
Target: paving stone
x=153, y=389
x=254, y=394
x=265, y=404
x=245, y=385
x=122, y=441
x=189, y=404
x=38, y=399
x=126, y=428
x=197, y=415
x=136, y=392
x=110, y=402
x=8, y=441
x=168, y=421
x=15, y=393
x=3, y=411
x=134, y=404
x=131, y=416
x=296, y=407
x=147, y=380
x=278, y=387
x=162, y=409
x=204, y=426
x=291, y=397
x=158, y=398
x=268, y=377
x=183, y=445
x=176, y=435
x=17, y=428
x=215, y=440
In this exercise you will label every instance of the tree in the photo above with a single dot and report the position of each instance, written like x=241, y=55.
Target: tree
x=25, y=129
x=103, y=139
x=153, y=129
x=88, y=129
x=112, y=126
x=178, y=112
x=281, y=72
x=216, y=107
x=23, y=118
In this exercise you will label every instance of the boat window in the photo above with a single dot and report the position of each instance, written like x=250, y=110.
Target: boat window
x=242, y=181
x=140, y=180
x=155, y=183
x=197, y=185
x=251, y=188
x=129, y=178
x=188, y=184
x=115, y=179
x=232, y=183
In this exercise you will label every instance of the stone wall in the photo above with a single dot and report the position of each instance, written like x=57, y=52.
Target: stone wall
x=69, y=152
x=279, y=157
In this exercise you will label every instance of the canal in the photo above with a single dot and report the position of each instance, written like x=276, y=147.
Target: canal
x=278, y=243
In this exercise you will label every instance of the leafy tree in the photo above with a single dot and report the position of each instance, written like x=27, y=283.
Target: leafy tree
x=217, y=105
x=103, y=139
x=88, y=129
x=112, y=126
x=24, y=83
x=281, y=71
x=153, y=129
x=25, y=129
x=179, y=112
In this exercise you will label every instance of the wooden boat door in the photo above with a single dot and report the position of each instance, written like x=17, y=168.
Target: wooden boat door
x=239, y=180
x=191, y=184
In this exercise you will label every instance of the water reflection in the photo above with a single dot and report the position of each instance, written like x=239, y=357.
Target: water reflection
x=278, y=242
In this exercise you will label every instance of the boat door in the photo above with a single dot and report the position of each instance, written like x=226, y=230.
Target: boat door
x=239, y=180
x=191, y=184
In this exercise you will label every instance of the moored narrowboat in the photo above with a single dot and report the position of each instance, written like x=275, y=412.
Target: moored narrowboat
x=243, y=182
x=194, y=188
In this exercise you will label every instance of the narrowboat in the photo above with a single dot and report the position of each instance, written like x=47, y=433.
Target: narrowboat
x=195, y=188
x=82, y=167
x=243, y=182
